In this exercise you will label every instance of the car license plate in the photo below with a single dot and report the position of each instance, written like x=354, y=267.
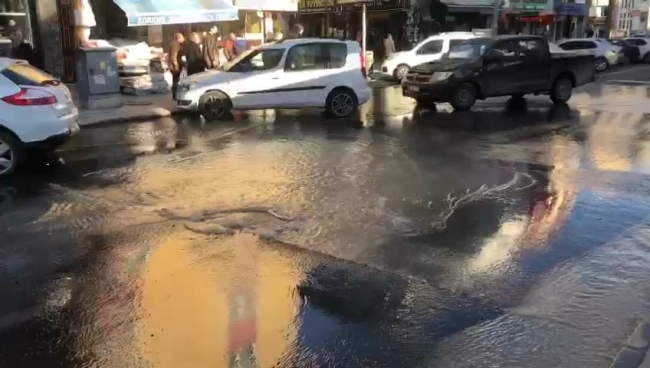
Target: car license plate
x=413, y=88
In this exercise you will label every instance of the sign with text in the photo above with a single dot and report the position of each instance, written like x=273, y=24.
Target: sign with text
x=268, y=5
x=159, y=12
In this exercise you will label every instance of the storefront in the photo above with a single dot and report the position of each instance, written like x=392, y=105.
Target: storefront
x=570, y=21
x=17, y=25
x=325, y=18
x=535, y=17
x=467, y=17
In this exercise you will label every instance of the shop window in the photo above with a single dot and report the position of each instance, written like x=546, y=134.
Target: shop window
x=14, y=22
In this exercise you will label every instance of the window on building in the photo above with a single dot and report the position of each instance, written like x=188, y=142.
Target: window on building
x=431, y=47
x=14, y=23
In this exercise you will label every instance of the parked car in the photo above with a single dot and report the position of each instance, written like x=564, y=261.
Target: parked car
x=293, y=73
x=644, y=47
x=432, y=48
x=36, y=111
x=605, y=55
x=630, y=51
x=508, y=65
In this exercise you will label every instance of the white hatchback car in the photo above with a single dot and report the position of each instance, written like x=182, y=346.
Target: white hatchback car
x=289, y=74
x=399, y=64
x=605, y=54
x=36, y=111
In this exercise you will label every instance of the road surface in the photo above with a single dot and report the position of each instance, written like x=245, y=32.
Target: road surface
x=508, y=236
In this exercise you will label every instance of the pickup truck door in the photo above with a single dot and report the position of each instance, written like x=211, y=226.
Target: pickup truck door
x=501, y=65
x=534, y=70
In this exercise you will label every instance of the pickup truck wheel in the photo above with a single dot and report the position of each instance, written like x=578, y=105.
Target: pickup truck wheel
x=646, y=58
x=11, y=154
x=464, y=97
x=601, y=64
x=401, y=71
x=562, y=90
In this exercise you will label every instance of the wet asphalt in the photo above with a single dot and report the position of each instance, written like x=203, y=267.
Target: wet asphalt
x=514, y=235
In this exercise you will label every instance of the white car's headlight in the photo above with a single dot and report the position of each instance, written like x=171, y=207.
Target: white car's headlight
x=187, y=86
x=440, y=76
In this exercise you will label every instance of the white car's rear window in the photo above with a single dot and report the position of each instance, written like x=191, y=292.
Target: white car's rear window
x=27, y=75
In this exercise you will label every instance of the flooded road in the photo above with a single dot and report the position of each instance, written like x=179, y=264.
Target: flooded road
x=508, y=236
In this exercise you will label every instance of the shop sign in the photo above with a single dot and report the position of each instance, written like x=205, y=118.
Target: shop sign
x=572, y=9
x=315, y=6
x=372, y=5
x=268, y=5
x=537, y=5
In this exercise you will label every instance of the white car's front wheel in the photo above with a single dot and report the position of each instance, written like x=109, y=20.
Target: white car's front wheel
x=601, y=64
x=11, y=154
x=341, y=103
x=215, y=106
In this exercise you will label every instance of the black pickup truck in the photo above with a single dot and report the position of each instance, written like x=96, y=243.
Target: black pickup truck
x=479, y=68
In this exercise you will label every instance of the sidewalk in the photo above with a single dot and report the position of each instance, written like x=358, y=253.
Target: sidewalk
x=148, y=107
x=134, y=108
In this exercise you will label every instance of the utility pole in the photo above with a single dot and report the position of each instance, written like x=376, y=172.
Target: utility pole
x=611, y=18
x=495, y=18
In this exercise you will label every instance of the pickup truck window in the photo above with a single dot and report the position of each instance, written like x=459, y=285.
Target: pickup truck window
x=531, y=48
x=505, y=49
x=467, y=49
x=637, y=41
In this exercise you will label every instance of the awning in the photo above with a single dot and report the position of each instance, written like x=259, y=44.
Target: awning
x=158, y=12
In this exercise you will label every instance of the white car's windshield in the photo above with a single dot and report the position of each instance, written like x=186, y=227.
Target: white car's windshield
x=256, y=59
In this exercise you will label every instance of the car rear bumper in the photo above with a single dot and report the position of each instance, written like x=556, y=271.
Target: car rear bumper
x=55, y=141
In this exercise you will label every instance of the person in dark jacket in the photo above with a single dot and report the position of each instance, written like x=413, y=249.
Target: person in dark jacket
x=211, y=49
x=176, y=60
x=193, y=54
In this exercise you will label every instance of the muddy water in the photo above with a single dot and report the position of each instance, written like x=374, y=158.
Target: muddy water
x=272, y=242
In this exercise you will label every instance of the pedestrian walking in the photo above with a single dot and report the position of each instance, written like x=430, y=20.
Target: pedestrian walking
x=211, y=48
x=176, y=60
x=296, y=31
x=240, y=45
x=229, y=47
x=389, y=46
x=193, y=55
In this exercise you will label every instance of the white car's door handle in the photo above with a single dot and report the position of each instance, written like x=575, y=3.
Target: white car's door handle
x=275, y=78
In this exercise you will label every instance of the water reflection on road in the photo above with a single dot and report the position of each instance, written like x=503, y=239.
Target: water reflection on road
x=496, y=238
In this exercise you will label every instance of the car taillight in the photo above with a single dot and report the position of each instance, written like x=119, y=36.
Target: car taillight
x=362, y=59
x=30, y=97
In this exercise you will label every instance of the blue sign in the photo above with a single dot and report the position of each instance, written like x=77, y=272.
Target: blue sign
x=572, y=9
x=159, y=12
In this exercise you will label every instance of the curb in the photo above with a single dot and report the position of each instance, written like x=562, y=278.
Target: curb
x=133, y=118
x=633, y=353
